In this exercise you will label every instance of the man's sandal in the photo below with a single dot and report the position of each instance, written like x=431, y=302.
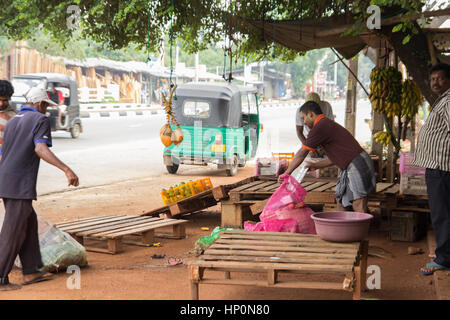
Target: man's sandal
x=42, y=276
x=431, y=268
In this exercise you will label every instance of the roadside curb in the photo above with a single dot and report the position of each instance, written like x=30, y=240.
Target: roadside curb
x=441, y=279
x=118, y=113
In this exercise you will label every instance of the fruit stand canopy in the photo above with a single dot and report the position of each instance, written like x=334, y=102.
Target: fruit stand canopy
x=312, y=34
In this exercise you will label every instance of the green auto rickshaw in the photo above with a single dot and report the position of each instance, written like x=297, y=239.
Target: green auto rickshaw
x=220, y=124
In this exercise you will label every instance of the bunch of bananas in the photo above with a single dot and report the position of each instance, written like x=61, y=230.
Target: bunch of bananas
x=386, y=90
x=412, y=98
x=382, y=137
x=377, y=90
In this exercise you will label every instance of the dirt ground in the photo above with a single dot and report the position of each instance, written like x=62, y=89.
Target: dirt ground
x=133, y=274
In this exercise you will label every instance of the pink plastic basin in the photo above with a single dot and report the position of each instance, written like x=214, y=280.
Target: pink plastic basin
x=342, y=226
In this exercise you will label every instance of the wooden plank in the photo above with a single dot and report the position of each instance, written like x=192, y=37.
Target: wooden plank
x=315, y=185
x=90, y=225
x=284, y=248
x=412, y=209
x=246, y=186
x=64, y=224
x=272, y=276
x=121, y=225
x=259, y=186
x=231, y=215
x=280, y=284
x=283, y=242
x=208, y=257
x=297, y=238
x=320, y=197
x=145, y=226
x=139, y=229
x=325, y=187
x=184, y=206
x=270, y=187
x=276, y=253
x=258, y=207
x=275, y=266
x=306, y=183
x=383, y=186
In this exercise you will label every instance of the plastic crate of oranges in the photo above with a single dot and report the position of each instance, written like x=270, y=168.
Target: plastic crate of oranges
x=284, y=155
x=185, y=190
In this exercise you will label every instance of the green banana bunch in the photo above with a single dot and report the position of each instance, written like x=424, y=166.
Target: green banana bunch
x=386, y=90
x=382, y=137
x=412, y=98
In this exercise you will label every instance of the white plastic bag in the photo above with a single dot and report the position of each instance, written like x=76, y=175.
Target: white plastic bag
x=58, y=249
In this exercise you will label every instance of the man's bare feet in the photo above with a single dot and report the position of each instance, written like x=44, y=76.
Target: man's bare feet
x=36, y=277
x=10, y=286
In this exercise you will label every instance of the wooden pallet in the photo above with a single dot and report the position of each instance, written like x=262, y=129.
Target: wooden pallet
x=197, y=202
x=251, y=198
x=274, y=253
x=114, y=228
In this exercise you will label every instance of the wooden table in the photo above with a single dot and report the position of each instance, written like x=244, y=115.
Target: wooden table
x=250, y=198
x=277, y=253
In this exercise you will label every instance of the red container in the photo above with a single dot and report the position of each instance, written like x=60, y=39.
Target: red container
x=342, y=226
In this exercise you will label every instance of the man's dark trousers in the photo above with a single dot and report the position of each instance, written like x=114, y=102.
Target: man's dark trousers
x=438, y=189
x=19, y=236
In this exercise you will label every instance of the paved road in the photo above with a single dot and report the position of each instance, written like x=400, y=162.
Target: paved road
x=117, y=149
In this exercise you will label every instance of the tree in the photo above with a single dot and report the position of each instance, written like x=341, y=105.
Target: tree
x=199, y=24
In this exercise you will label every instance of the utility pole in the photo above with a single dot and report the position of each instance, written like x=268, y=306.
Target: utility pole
x=350, y=110
x=196, y=67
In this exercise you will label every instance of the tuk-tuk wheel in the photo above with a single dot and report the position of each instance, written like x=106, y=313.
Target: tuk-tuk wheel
x=234, y=166
x=75, y=131
x=242, y=164
x=173, y=168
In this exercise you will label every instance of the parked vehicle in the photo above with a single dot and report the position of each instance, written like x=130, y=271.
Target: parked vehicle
x=220, y=123
x=65, y=116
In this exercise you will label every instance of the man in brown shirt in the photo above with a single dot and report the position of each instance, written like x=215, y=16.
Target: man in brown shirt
x=6, y=111
x=356, y=177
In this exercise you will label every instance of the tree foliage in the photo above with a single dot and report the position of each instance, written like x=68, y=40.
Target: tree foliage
x=197, y=24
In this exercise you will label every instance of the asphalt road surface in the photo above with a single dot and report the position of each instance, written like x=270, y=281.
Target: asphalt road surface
x=117, y=149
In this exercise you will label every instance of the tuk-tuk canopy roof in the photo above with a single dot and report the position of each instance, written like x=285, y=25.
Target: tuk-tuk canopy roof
x=223, y=91
x=224, y=99
x=50, y=77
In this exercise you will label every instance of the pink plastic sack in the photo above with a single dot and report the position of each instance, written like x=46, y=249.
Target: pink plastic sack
x=290, y=192
x=406, y=164
x=287, y=204
x=275, y=225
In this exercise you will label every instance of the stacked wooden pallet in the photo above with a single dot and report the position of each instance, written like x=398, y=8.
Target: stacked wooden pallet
x=274, y=253
x=113, y=228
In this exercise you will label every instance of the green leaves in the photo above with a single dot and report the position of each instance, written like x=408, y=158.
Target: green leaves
x=197, y=24
x=397, y=27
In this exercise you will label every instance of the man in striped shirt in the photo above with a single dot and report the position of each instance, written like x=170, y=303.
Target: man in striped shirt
x=6, y=111
x=433, y=153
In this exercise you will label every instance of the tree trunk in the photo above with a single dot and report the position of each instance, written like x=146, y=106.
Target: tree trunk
x=415, y=56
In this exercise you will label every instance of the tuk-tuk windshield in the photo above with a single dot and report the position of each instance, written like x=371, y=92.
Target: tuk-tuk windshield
x=22, y=85
x=199, y=109
x=248, y=103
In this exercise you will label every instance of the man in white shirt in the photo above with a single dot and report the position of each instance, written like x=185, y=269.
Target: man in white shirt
x=302, y=130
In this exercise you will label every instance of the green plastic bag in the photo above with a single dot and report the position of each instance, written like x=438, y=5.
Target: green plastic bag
x=204, y=242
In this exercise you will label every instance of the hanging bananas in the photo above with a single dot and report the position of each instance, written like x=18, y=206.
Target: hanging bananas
x=386, y=91
x=412, y=98
x=382, y=137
